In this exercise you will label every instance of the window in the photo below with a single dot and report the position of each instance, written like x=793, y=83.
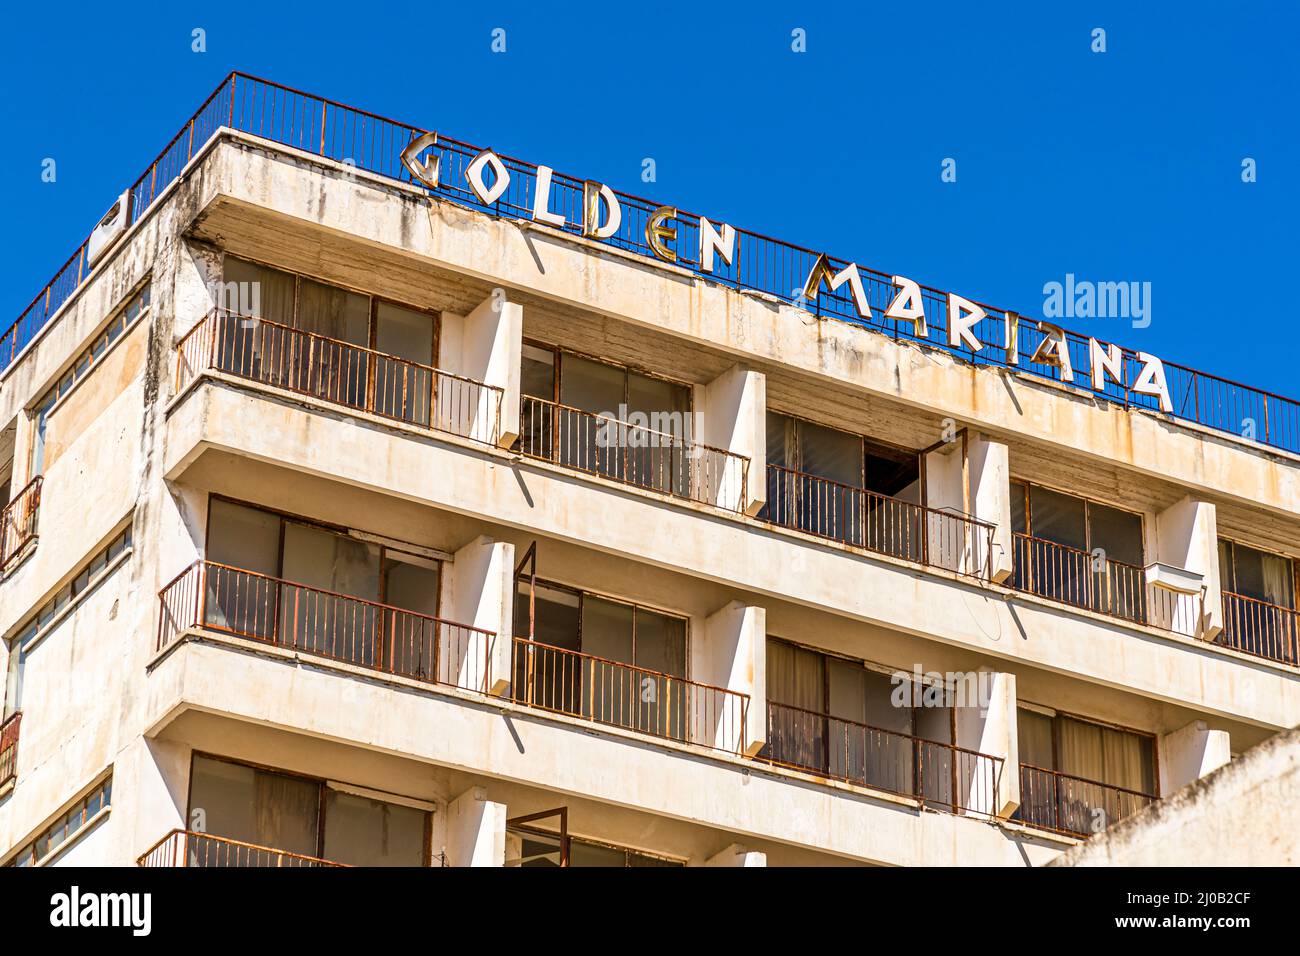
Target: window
x=611, y=660
x=838, y=717
x=320, y=589
x=563, y=394
x=818, y=479
x=1257, y=574
x=539, y=848
x=321, y=339
x=281, y=811
x=83, y=364
x=1259, y=602
x=82, y=582
x=69, y=826
x=1078, y=551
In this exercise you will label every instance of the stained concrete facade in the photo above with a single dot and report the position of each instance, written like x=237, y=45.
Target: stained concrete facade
x=135, y=446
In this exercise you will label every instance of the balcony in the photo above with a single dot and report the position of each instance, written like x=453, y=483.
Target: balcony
x=339, y=373
x=634, y=455
x=633, y=698
x=338, y=627
x=1260, y=628
x=18, y=523
x=875, y=522
x=189, y=848
x=937, y=774
x=9, y=748
x=1074, y=806
x=1119, y=590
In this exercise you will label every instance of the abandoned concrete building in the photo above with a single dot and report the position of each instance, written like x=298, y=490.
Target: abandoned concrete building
x=375, y=499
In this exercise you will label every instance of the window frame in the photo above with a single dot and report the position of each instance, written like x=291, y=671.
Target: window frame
x=323, y=785
x=1026, y=484
x=414, y=550
x=373, y=300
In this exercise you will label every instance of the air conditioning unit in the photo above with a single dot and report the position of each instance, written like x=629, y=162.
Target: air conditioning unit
x=110, y=228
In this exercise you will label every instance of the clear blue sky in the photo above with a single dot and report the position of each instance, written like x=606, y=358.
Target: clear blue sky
x=1115, y=166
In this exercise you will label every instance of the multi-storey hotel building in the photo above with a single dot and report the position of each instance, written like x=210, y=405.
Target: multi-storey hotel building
x=374, y=499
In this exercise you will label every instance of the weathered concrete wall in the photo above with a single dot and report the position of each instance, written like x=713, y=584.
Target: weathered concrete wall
x=1240, y=815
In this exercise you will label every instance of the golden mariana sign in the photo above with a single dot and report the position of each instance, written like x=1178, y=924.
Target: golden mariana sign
x=602, y=216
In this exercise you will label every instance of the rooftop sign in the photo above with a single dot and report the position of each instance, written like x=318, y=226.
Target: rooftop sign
x=600, y=216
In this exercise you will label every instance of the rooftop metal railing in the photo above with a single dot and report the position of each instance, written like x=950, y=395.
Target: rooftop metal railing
x=374, y=143
x=1258, y=627
x=1076, y=806
x=191, y=848
x=655, y=460
x=379, y=637
x=340, y=373
x=18, y=522
x=938, y=774
x=880, y=523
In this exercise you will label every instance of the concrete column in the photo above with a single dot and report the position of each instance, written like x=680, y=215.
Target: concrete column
x=24, y=431
x=1187, y=538
x=733, y=655
x=736, y=855
x=733, y=417
x=151, y=783
x=1190, y=753
x=476, y=830
x=477, y=591
x=985, y=713
x=970, y=475
x=485, y=346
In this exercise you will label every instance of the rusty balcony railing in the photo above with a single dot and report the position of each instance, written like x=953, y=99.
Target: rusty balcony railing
x=644, y=457
x=954, y=778
x=1063, y=803
x=18, y=522
x=1078, y=578
x=191, y=848
x=634, y=698
x=1257, y=627
x=339, y=373
x=390, y=640
x=880, y=523
x=9, y=747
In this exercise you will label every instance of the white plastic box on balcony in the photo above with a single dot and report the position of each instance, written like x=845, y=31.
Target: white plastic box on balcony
x=1175, y=598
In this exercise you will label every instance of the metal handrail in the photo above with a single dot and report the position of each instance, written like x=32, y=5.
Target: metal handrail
x=172, y=851
x=976, y=530
x=193, y=360
x=193, y=613
x=26, y=505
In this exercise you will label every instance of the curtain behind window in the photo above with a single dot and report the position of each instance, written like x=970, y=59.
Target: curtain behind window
x=361, y=831
x=323, y=623
x=253, y=806
x=247, y=348
x=405, y=390
x=796, y=732
x=248, y=540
